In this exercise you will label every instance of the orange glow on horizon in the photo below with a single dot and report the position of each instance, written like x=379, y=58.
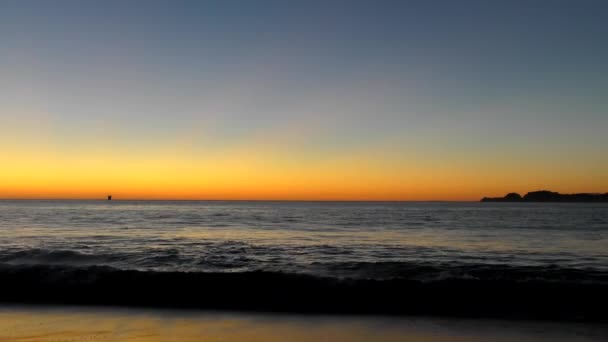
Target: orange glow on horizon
x=246, y=177
x=260, y=170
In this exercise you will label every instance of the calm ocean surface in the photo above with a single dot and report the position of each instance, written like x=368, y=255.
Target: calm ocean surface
x=424, y=241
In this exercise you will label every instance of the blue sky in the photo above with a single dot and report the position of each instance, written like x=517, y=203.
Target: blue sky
x=444, y=83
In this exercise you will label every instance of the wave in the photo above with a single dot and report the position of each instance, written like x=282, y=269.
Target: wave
x=433, y=271
x=239, y=257
x=38, y=256
x=296, y=292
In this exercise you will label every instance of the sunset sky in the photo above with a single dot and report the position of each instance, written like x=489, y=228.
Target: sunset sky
x=327, y=100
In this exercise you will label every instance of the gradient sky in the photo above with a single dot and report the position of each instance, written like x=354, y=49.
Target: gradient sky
x=382, y=100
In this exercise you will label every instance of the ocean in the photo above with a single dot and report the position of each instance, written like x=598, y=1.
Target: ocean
x=59, y=242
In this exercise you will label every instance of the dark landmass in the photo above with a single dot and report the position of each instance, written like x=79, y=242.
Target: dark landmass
x=548, y=196
x=281, y=292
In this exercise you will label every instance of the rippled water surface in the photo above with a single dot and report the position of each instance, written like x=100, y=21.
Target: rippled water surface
x=325, y=238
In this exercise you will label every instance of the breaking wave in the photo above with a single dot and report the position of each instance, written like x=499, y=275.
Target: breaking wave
x=279, y=291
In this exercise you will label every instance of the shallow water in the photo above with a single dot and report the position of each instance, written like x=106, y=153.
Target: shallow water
x=421, y=240
x=37, y=324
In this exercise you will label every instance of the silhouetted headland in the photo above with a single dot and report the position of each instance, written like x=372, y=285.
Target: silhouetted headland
x=548, y=196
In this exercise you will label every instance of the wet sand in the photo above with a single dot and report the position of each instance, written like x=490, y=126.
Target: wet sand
x=71, y=324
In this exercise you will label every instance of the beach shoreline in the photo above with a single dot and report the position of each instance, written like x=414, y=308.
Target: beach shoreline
x=68, y=323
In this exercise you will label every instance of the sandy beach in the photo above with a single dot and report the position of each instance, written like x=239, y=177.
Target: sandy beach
x=63, y=324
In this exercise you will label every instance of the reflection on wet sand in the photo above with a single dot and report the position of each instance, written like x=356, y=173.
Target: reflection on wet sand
x=33, y=324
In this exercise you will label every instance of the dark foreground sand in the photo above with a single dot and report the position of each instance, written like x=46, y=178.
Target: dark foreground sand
x=29, y=323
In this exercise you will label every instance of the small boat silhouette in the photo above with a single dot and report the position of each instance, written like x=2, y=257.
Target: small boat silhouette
x=109, y=197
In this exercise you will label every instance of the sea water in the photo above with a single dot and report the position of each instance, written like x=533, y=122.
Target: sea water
x=373, y=240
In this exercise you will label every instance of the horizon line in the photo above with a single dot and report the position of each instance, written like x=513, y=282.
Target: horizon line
x=114, y=198
x=229, y=200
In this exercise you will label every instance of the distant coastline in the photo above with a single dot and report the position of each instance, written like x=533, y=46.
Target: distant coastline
x=548, y=196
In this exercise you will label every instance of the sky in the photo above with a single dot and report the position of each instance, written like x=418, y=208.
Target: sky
x=302, y=100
